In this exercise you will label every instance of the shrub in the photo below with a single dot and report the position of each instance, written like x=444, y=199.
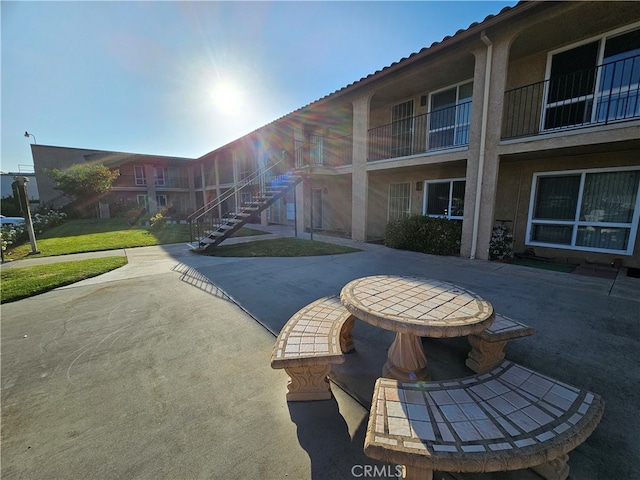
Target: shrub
x=16, y=234
x=501, y=244
x=158, y=220
x=420, y=233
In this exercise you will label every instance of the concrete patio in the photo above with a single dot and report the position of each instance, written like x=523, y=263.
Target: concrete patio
x=160, y=369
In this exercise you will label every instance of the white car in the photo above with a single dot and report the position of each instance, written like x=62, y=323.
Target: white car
x=10, y=220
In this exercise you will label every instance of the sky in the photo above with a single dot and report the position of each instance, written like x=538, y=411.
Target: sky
x=185, y=78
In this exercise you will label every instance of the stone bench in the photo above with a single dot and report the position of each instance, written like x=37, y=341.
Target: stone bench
x=487, y=347
x=510, y=418
x=311, y=341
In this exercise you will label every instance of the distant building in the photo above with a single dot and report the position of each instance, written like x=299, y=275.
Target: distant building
x=32, y=186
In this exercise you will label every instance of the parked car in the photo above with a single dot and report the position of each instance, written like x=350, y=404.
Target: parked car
x=10, y=220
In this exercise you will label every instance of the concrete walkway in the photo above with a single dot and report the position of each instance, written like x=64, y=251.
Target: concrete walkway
x=160, y=369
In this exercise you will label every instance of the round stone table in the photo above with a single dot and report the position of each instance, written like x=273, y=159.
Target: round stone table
x=415, y=307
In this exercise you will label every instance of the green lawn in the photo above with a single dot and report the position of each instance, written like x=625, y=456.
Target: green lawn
x=23, y=282
x=79, y=236
x=280, y=247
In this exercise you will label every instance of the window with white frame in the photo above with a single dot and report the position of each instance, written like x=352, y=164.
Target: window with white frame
x=591, y=210
x=444, y=198
x=161, y=201
x=450, y=117
x=596, y=81
x=160, y=175
x=143, y=201
x=399, y=201
x=139, y=174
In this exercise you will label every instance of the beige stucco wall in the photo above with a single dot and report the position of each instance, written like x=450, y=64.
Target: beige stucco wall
x=514, y=193
x=379, y=182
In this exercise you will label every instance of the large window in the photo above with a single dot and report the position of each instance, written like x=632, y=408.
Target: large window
x=399, y=201
x=593, y=210
x=450, y=117
x=595, y=82
x=444, y=198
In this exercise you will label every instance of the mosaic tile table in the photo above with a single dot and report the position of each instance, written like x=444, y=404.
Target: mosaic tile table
x=415, y=307
x=507, y=419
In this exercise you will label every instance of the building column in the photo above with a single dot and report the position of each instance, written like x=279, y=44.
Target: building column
x=298, y=134
x=359, y=177
x=483, y=163
x=149, y=173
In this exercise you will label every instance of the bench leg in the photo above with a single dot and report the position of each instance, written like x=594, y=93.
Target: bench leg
x=308, y=383
x=416, y=473
x=346, y=340
x=484, y=355
x=557, y=469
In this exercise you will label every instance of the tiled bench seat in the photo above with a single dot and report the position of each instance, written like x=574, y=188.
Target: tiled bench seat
x=311, y=341
x=487, y=347
x=507, y=419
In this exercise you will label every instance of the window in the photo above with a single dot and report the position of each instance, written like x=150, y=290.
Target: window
x=399, y=201
x=450, y=117
x=143, y=201
x=138, y=172
x=595, y=82
x=401, y=129
x=161, y=201
x=444, y=198
x=592, y=210
x=160, y=176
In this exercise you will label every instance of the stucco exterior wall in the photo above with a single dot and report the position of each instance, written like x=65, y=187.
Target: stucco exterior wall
x=514, y=194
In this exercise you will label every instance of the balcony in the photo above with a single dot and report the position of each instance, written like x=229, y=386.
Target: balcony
x=441, y=129
x=602, y=95
x=133, y=181
x=326, y=151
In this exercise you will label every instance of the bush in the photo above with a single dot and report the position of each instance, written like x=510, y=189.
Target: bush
x=420, y=233
x=17, y=234
x=501, y=244
x=158, y=220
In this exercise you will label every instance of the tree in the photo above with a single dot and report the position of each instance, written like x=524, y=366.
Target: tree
x=86, y=182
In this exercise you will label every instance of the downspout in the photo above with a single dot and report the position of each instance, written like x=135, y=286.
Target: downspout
x=483, y=142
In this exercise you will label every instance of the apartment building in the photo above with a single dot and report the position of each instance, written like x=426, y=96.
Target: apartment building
x=530, y=118
x=153, y=181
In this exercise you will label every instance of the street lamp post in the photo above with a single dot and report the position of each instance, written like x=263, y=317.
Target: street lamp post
x=27, y=135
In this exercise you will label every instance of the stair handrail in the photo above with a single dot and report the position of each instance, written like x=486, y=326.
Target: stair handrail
x=255, y=176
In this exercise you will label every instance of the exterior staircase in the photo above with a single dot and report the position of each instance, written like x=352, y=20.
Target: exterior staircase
x=207, y=231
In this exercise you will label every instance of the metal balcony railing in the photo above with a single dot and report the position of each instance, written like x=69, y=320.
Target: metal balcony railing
x=440, y=129
x=166, y=182
x=598, y=96
x=327, y=151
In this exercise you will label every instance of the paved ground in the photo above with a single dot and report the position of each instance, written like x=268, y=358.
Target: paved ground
x=151, y=371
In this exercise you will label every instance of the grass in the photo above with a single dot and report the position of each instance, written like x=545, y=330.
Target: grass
x=24, y=282
x=79, y=236
x=281, y=247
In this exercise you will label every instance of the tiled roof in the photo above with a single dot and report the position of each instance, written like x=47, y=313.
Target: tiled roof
x=400, y=63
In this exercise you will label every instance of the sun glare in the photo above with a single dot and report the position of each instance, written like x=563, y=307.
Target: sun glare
x=227, y=97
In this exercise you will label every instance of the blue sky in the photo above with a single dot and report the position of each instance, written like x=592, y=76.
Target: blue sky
x=184, y=78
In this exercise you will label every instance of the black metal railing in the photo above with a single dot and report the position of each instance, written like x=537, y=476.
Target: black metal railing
x=216, y=213
x=166, y=182
x=440, y=129
x=604, y=94
x=321, y=150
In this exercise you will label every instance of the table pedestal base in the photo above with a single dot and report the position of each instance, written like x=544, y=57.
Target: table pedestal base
x=406, y=360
